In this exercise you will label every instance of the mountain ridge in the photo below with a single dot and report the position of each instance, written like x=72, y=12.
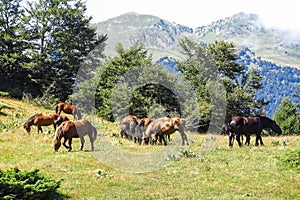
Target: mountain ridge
x=161, y=36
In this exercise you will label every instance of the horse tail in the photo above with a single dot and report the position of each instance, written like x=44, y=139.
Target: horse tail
x=56, y=108
x=94, y=133
x=78, y=114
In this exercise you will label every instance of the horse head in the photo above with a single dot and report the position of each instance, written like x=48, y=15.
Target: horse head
x=276, y=128
x=26, y=127
x=177, y=122
x=57, y=137
x=61, y=119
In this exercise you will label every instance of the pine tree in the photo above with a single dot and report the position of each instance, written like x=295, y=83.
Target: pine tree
x=287, y=117
x=14, y=75
x=61, y=38
x=218, y=60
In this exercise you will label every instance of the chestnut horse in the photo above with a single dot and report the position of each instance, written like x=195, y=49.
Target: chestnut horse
x=252, y=125
x=143, y=123
x=45, y=120
x=74, y=129
x=68, y=109
x=61, y=119
x=164, y=127
x=30, y=122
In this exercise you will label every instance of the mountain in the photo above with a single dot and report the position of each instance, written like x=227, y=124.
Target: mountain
x=161, y=36
x=246, y=30
x=272, y=51
x=158, y=35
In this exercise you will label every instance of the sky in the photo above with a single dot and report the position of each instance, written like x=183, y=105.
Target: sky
x=281, y=14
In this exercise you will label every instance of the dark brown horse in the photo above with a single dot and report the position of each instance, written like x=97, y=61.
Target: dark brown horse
x=30, y=122
x=164, y=127
x=68, y=109
x=250, y=125
x=128, y=126
x=45, y=120
x=74, y=129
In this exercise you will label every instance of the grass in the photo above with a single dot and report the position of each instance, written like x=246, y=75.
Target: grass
x=120, y=169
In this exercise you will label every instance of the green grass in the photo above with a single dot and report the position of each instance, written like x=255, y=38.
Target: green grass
x=194, y=172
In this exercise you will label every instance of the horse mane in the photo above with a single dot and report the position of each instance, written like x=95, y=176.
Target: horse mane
x=32, y=118
x=263, y=117
x=59, y=133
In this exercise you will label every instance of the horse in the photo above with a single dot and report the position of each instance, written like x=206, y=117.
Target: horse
x=30, y=122
x=140, y=128
x=251, y=125
x=61, y=119
x=74, y=129
x=128, y=126
x=45, y=120
x=68, y=109
x=164, y=127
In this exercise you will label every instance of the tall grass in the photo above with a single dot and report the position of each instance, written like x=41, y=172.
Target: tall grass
x=207, y=169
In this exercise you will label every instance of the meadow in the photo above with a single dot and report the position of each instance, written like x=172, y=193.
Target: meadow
x=121, y=169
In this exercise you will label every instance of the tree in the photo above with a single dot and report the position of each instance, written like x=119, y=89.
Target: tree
x=14, y=76
x=218, y=60
x=61, y=38
x=130, y=84
x=287, y=117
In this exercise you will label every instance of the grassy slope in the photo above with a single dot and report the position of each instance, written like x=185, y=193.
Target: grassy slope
x=224, y=173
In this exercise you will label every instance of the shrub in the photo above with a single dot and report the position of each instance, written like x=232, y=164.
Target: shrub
x=17, y=184
x=291, y=160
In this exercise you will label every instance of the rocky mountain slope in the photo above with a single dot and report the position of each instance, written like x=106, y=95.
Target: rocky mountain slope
x=161, y=36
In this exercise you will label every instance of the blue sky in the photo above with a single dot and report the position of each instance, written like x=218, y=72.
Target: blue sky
x=281, y=14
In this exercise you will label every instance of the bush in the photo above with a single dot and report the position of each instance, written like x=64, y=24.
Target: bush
x=291, y=160
x=16, y=184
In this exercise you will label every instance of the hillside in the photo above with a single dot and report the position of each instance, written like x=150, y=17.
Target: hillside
x=207, y=169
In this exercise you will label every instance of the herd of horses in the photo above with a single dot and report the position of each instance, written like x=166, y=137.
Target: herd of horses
x=143, y=130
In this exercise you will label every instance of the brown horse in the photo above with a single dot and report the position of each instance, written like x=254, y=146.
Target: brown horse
x=163, y=127
x=140, y=129
x=74, y=129
x=68, y=109
x=30, y=122
x=252, y=125
x=61, y=119
x=45, y=120
x=128, y=126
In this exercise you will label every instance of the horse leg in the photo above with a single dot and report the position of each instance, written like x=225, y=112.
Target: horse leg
x=164, y=140
x=247, y=140
x=256, y=139
x=40, y=129
x=183, y=137
x=259, y=138
x=238, y=139
x=82, y=143
x=70, y=144
x=64, y=144
x=92, y=142
x=261, y=142
x=231, y=139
